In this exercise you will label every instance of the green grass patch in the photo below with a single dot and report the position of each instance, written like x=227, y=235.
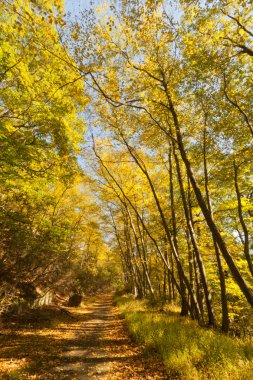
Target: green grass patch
x=189, y=352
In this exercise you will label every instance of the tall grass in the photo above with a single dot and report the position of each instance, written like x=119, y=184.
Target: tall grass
x=189, y=352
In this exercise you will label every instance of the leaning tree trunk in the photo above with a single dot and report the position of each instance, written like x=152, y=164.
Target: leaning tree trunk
x=239, y=279
x=224, y=302
x=208, y=297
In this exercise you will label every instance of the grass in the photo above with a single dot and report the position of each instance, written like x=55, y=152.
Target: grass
x=189, y=352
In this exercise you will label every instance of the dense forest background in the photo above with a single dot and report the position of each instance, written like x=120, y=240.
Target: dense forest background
x=126, y=154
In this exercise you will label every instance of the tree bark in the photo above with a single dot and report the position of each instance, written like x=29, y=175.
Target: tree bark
x=248, y=293
x=243, y=224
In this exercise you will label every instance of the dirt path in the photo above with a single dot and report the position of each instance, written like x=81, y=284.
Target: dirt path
x=93, y=344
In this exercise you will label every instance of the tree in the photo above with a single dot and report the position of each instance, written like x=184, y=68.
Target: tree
x=44, y=194
x=162, y=83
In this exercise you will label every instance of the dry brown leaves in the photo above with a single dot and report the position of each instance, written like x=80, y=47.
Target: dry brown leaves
x=91, y=344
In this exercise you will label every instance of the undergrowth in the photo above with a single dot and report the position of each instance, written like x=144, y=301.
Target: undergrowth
x=189, y=352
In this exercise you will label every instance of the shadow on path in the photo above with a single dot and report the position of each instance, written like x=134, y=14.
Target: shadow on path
x=93, y=344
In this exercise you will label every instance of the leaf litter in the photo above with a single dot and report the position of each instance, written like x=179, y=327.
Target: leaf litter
x=89, y=342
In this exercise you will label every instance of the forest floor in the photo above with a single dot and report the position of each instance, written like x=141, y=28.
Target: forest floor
x=91, y=342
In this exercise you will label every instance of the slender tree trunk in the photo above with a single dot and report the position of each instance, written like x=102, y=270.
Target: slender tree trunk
x=195, y=314
x=208, y=297
x=144, y=266
x=224, y=303
x=135, y=268
x=199, y=287
x=144, y=260
x=126, y=263
x=184, y=308
x=191, y=263
x=166, y=228
x=171, y=283
x=248, y=293
x=243, y=224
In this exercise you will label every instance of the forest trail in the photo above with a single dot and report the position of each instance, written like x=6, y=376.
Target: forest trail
x=92, y=345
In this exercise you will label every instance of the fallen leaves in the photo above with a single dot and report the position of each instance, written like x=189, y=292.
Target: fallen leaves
x=92, y=345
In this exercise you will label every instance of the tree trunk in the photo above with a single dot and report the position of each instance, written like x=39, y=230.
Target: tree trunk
x=224, y=302
x=208, y=217
x=208, y=297
x=243, y=224
x=184, y=308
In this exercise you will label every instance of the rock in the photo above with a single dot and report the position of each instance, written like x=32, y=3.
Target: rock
x=75, y=300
